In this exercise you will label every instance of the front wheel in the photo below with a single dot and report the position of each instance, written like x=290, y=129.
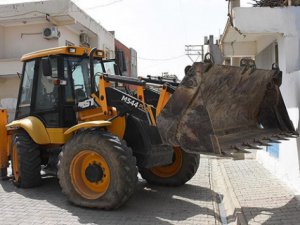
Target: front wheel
x=181, y=170
x=97, y=170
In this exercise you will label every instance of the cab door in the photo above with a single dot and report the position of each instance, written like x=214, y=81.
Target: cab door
x=46, y=101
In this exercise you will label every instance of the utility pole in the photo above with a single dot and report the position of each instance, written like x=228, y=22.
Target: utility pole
x=194, y=51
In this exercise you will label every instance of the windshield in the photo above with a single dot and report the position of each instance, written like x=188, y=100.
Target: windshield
x=78, y=69
x=109, y=67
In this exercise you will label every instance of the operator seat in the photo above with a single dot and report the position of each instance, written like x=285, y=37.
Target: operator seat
x=80, y=94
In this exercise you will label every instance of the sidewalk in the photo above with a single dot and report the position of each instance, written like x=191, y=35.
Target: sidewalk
x=252, y=195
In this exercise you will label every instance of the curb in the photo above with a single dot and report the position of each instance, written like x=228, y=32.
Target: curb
x=228, y=199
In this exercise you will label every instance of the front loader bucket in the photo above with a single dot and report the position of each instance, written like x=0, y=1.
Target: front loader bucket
x=222, y=109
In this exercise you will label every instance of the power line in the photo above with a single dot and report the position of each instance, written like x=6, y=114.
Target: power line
x=104, y=5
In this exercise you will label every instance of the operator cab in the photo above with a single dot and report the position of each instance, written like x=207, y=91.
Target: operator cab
x=56, y=81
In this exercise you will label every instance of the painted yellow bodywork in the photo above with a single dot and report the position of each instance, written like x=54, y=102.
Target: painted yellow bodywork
x=4, y=140
x=140, y=93
x=117, y=126
x=98, y=123
x=102, y=94
x=89, y=118
x=34, y=127
x=163, y=100
x=61, y=51
x=37, y=131
x=57, y=135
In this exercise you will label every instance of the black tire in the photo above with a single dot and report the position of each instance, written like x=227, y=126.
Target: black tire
x=119, y=159
x=28, y=161
x=187, y=169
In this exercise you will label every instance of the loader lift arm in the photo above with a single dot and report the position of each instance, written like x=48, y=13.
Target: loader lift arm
x=125, y=103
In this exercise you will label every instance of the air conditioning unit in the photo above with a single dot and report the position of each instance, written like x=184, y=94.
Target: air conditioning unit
x=51, y=33
x=84, y=39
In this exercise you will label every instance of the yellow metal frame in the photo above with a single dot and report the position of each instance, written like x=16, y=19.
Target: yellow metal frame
x=102, y=94
x=4, y=140
x=38, y=132
x=140, y=93
x=57, y=135
x=163, y=100
x=79, y=51
x=87, y=125
x=34, y=127
x=117, y=126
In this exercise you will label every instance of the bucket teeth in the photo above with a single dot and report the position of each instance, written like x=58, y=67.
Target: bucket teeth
x=272, y=140
x=289, y=135
x=260, y=142
x=239, y=147
x=244, y=151
x=252, y=146
x=229, y=151
x=280, y=137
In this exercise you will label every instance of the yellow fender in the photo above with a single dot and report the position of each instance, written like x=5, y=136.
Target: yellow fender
x=34, y=127
x=89, y=124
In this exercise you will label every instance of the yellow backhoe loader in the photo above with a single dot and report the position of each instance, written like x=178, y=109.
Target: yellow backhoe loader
x=76, y=120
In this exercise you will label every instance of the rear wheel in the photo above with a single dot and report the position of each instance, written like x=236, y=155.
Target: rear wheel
x=97, y=170
x=181, y=170
x=26, y=161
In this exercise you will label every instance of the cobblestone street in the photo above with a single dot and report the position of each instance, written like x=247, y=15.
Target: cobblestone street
x=255, y=196
x=193, y=203
x=249, y=194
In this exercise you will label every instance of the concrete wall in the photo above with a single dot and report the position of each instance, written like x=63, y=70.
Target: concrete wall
x=10, y=67
x=19, y=40
x=68, y=35
x=266, y=58
x=284, y=21
x=9, y=87
x=106, y=41
x=286, y=165
x=1, y=41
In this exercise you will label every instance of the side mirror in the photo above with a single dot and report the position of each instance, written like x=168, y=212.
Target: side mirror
x=46, y=67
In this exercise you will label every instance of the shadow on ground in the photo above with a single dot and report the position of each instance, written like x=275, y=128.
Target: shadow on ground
x=288, y=214
x=149, y=204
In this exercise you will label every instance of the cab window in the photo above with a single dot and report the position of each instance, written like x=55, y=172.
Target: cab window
x=26, y=90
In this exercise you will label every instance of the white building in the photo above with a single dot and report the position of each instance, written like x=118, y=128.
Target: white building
x=271, y=35
x=22, y=27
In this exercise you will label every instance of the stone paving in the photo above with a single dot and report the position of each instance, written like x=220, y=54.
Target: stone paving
x=260, y=196
x=193, y=203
